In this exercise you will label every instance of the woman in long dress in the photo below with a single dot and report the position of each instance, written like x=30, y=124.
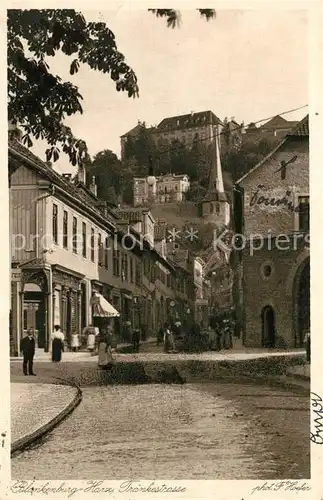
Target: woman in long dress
x=105, y=352
x=57, y=344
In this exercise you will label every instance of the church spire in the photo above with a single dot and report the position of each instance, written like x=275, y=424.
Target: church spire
x=215, y=205
x=216, y=186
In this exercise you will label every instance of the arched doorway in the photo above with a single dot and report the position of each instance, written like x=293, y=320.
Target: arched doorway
x=302, y=302
x=268, y=321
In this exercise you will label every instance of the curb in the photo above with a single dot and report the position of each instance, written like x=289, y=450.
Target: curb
x=298, y=376
x=22, y=443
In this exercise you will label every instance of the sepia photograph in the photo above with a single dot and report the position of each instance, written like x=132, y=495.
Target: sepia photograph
x=159, y=206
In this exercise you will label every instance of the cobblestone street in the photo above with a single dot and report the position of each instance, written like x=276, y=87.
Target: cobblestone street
x=197, y=431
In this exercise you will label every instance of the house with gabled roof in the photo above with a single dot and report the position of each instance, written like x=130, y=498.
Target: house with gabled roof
x=272, y=259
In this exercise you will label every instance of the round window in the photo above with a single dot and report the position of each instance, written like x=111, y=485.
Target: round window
x=266, y=270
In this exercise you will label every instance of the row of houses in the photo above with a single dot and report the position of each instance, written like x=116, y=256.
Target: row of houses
x=67, y=245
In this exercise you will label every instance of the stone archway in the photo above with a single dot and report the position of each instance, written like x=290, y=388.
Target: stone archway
x=301, y=302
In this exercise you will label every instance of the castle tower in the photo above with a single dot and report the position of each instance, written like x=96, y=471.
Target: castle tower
x=215, y=205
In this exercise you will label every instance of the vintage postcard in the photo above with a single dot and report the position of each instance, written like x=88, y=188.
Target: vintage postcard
x=160, y=311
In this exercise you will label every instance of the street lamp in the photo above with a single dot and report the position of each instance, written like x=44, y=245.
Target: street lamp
x=151, y=180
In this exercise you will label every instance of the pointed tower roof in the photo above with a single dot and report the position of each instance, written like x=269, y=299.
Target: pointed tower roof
x=215, y=190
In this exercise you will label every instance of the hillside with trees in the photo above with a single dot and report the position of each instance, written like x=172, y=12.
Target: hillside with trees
x=114, y=177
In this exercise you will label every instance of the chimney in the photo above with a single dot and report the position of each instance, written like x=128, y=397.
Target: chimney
x=67, y=176
x=93, y=186
x=81, y=174
x=49, y=164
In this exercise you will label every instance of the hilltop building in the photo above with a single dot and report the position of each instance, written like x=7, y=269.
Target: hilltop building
x=187, y=128
x=277, y=127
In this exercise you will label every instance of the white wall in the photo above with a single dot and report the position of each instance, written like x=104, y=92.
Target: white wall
x=57, y=254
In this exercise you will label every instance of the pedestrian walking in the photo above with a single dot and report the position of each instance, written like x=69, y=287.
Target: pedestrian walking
x=160, y=336
x=27, y=347
x=57, y=338
x=168, y=338
x=75, y=343
x=105, y=360
x=91, y=340
x=136, y=339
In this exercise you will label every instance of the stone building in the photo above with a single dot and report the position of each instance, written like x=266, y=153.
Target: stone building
x=187, y=128
x=277, y=127
x=272, y=270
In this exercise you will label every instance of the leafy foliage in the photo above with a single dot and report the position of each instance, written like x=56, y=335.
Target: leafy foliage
x=39, y=100
x=114, y=178
x=174, y=17
x=239, y=161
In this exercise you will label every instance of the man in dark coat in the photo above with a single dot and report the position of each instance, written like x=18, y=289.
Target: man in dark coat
x=136, y=339
x=27, y=346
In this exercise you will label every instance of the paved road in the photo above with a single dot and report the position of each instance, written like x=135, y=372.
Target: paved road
x=191, y=431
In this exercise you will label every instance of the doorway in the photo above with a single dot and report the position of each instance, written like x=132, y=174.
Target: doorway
x=34, y=317
x=268, y=327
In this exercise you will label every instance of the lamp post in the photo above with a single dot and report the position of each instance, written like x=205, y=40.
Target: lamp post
x=151, y=181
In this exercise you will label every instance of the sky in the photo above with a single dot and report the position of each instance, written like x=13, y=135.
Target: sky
x=249, y=65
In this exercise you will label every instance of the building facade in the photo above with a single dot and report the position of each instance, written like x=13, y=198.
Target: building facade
x=276, y=128
x=169, y=188
x=187, y=128
x=66, y=245
x=272, y=270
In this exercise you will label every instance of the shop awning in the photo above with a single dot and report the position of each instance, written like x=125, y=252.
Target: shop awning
x=102, y=308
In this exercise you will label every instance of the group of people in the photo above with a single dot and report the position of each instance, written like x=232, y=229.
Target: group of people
x=27, y=347
x=166, y=336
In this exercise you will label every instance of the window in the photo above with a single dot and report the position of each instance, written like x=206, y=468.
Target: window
x=55, y=224
x=65, y=229
x=116, y=262
x=303, y=213
x=74, y=241
x=217, y=207
x=92, y=245
x=138, y=274
x=106, y=253
x=267, y=271
x=131, y=269
x=124, y=266
x=100, y=250
x=83, y=239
